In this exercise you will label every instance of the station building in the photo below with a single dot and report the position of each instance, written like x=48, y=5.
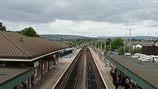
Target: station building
x=24, y=60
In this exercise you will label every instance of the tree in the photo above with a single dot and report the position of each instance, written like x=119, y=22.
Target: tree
x=2, y=28
x=136, y=50
x=29, y=32
x=117, y=43
x=122, y=49
x=108, y=41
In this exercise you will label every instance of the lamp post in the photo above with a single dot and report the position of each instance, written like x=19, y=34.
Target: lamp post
x=110, y=46
x=105, y=45
x=124, y=48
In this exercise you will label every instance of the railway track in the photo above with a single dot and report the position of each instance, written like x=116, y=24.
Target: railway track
x=82, y=73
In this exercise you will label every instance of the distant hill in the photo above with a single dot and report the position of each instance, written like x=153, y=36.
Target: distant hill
x=127, y=37
x=58, y=36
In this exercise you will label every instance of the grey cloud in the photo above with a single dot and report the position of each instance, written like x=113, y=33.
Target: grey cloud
x=42, y=11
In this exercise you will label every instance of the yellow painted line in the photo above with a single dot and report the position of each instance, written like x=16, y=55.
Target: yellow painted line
x=107, y=76
x=57, y=74
x=104, y=72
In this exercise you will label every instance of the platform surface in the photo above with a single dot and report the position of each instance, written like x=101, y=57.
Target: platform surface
x=50, y=79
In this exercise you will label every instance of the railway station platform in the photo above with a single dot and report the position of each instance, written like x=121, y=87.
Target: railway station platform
x=50, y=79
x=141, y=75
x=103, y=69
x=144, y=75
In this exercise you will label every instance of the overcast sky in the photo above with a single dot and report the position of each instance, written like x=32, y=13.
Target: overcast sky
x=82, y=17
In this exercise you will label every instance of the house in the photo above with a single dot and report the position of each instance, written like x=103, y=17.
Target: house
x=137, y=46
x=28, y=57
x=140, y=44
x=151, y=50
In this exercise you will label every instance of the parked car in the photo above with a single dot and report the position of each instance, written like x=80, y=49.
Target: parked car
x=135, y=57
x=127, y=54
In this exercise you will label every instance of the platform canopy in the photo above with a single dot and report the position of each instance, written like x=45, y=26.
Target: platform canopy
x=14, y=45
x=144, y=75
x=11, y=76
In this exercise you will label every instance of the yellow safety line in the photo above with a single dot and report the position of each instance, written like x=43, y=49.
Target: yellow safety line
x=57, y=75
x=105, y=74
x=107, y=77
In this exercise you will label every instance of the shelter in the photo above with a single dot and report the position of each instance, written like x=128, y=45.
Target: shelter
x=21, y=51
x=143, y=75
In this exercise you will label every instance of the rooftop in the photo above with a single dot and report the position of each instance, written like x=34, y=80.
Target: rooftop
x=15, y=45
x=148, y=73
x=9, y=73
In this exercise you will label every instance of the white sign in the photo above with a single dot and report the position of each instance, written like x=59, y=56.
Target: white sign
x=36, y=64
